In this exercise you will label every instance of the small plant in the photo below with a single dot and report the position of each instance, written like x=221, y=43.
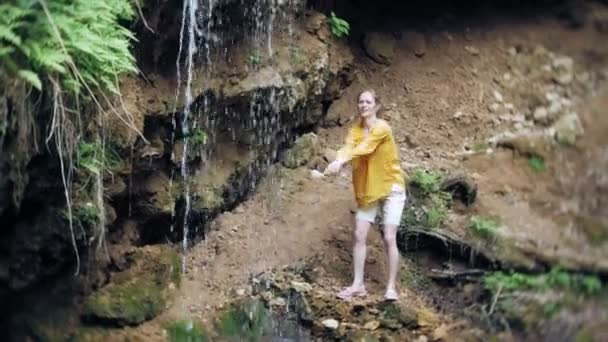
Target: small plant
x=427, y=213
x=555, y=279
x=513, y=282
x=186, y=331
x=85, y=215
x=339, y=27
x=255, y=59
x=438, y=211
x=413, y=277
x=95, y=157
x=246, y=322
x=590, y=285
x=198, y=137
x=483, y=226
x=537, y=163
x=427, y=181
x=410, y=217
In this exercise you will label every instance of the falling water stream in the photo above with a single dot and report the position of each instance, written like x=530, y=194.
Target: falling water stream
x=200, y=43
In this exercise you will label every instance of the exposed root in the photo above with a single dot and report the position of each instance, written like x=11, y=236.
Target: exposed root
x=141, y=15
x=63, y=143
x=64, y=139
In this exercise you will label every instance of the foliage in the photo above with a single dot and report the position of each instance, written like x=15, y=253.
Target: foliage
x=524, y=300
x=75, y=42
x=197, y=137
x=186, y=331
x=428, y=204
x=95, y=158
x=427, y=213
x=84, y=214
x=339, y=27
x=245, y=322
x=255, y=59
x=428, y=181
x=73, y=51
x=484, y=226
x=556, y=279
x=537, y=163
x=87, y=214
x=413, y=277
x=438, y=210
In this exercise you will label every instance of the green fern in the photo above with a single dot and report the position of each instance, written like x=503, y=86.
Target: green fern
x=31, y=78
x=339, y=27
x=80, y=42
x=95, y=158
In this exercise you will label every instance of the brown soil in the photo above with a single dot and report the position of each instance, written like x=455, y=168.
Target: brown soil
x=292, y=216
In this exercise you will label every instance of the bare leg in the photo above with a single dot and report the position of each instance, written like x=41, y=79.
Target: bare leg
x=359, y=250
x=357, y=288
x=392, y=255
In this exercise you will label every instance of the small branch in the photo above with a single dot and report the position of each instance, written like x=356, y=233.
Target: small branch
x=495, y=299
x=141, y=15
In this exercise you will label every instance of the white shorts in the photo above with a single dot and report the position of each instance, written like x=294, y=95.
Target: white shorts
x=392, y=207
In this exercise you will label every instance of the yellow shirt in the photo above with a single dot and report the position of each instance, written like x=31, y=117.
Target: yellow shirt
x=375, y=162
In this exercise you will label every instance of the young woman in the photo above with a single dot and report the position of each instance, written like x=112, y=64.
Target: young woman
x=378, y=181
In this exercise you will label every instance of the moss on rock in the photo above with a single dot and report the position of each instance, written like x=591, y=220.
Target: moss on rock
x=304, y=149
x=139, y=293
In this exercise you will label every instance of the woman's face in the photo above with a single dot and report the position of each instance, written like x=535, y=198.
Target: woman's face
x=366, y=104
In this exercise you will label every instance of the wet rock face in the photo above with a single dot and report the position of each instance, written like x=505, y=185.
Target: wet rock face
x=139, y=293
x=38, y=249
x=219, y=149
x=17, y=144
x=240, y=121
x=380, y=47
x=304, y=149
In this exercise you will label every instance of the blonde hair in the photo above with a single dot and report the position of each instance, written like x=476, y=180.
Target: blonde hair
x=376, y=99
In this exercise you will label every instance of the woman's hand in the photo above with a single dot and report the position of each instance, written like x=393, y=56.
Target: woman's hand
x=334, y=167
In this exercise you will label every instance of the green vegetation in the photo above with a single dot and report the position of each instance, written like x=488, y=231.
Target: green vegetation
x=429, y=205
x=427, y=181
x=84, y=214
x=139, y=293
x=186, y=331
x=73, y=52
x=484, y=227
x=87, y=215
x=537, y=163
x=245, y=322
x=428, y=213
x=74, y=44
x=413, y=277
x=255, y=59
x=339, y=27
x=197, y=137
x=525, y=300
x=96, y=157
x=131, y=302
x=556, y=279
x=438, y=209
